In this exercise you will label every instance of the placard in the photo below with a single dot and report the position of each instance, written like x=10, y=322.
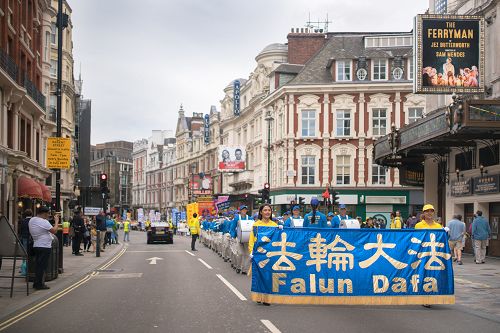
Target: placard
x=486, y=185
x=460, y=188
x=58, y=153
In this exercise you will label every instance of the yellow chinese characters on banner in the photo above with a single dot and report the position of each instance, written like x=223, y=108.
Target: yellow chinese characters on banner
x=58, y=153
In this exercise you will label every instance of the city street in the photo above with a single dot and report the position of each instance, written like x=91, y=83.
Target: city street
x=165, y=288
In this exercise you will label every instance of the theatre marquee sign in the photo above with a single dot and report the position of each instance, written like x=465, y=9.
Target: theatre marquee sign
x=449, y=54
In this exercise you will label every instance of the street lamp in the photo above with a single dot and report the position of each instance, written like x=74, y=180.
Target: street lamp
x=269, y=118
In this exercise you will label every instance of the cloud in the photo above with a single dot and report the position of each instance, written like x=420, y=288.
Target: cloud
x=141, y=59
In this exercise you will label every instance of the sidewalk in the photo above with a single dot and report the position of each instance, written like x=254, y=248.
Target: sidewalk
x=477, y=287
x=75, y=267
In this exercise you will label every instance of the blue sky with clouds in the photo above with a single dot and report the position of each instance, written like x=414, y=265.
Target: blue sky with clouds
x=141, y=59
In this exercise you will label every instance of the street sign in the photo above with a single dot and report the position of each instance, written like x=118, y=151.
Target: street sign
x=58, y=153
x=152, y=261
x=91, y=211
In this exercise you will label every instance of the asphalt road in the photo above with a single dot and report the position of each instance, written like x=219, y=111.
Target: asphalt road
x=186, y=293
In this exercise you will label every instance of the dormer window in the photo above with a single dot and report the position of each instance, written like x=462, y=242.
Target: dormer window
x=379, y=69
x=343, y=70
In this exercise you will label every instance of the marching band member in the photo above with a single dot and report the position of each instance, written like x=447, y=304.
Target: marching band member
x=242, y=263
x=295, y=219
x=315, y=219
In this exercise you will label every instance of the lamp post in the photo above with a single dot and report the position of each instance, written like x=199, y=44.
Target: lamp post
x=269, y=118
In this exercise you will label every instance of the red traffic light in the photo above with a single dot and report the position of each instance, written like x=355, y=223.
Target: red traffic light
x=104, y=176
x=267, y=186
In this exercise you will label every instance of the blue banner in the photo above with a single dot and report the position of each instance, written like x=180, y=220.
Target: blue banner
x=352, y=266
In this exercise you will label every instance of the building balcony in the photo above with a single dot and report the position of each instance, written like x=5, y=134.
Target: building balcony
x=33, y=92
x=8, y=65
x=179, y=181
x=241, y=178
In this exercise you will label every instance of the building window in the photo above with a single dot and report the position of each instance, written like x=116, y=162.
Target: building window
x=410, y=69
x=343, y=70
x=308, y=170
x=53, y=68
x=53, y=33
x=308, y=123
x=414, y=114
x=379, y=69
x=379, y=121
x=343, y=170
x=379, y=175
x=343, y=122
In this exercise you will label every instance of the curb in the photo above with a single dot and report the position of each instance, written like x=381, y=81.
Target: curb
x=18, y=305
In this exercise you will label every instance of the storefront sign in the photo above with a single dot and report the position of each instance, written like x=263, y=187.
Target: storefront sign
x=412, y=175
x=236, y=97
x=351, y=266
x=460, y=188
x=486, y=184
x=449, y=54
x=206, y=127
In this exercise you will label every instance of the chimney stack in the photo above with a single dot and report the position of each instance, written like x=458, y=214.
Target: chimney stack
x=303, y=44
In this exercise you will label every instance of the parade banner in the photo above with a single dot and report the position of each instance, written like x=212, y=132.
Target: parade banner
x=449, y=54
x=231, y=159
x=352, y=266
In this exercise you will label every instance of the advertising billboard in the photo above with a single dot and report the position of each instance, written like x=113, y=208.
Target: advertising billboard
x=201, y=184
x=232, y=159
x=449, y=54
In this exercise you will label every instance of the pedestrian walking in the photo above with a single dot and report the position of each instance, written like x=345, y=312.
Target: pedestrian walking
x=456, y=231
x=41, y=231
x=194, y=229
x=481, y=234
x=79, y=230
x=87, y=241
x=126, y=231
x=109, y=229
x=66, y=226
x=101, y=229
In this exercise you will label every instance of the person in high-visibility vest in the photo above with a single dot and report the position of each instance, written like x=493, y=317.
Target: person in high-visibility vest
x=65, y=227
x=126, y=231
x=194, y=229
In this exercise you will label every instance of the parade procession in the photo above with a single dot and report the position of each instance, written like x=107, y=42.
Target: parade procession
x=249, y=166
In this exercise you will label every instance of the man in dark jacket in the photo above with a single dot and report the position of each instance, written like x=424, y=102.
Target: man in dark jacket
x=79, y=229
x=100, y=221
x=24, y=231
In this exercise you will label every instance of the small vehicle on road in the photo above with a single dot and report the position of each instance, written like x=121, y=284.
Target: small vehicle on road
x=160, y=232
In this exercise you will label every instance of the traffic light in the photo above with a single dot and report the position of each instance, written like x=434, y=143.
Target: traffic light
x=266, y=191
x=104, y=183
x=335, y=198
x=302, y=201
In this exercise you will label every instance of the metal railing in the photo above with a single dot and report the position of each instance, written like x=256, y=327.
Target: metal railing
x=33, y=92
x=8, y=64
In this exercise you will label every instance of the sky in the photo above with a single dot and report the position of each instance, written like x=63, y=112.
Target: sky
x=141, y=59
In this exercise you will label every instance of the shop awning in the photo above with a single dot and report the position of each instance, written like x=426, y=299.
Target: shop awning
x=28, y=188
x=46, y=194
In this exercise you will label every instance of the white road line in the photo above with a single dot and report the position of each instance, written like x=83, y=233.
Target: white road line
x=190, y=253
x=204, y=263
x=153, y=251
x=270, y=326
x=233, y=289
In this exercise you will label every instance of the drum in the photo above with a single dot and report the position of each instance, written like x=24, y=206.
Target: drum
x=349, y=224
x=297, y=223
x=243, y=230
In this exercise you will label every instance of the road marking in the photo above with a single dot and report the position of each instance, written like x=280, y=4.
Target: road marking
x=190, y=253
x=204, y=263
x=41, y=305
x=119, y=276
x=158, y=251
x=471, y=284
x=270, y=326
x=233, y=289
x=153, y=260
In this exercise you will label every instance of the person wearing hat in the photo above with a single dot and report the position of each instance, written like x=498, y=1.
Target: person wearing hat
x=315, y=218
x=41, y=230
x=329, y=218
x=294, y=220
x=341, y=216
x=242, y=260
x=428, y=221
